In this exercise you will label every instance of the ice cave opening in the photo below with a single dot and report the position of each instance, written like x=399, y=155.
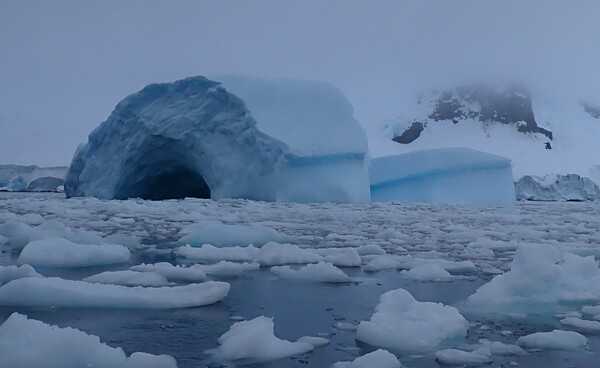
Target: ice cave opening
x=169, y=182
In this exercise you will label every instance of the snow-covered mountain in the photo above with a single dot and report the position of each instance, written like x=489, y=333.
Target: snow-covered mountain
x=510, y=120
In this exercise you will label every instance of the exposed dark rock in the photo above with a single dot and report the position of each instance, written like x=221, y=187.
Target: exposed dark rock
x=411, y=133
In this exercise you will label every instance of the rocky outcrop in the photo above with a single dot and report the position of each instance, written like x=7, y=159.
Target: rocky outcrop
x=483, y=103
x=570, y=187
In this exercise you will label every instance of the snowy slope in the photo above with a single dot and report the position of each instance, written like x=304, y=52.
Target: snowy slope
x=575, y=131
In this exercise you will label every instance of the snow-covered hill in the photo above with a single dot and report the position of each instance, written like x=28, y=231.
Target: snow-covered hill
x=510, y=121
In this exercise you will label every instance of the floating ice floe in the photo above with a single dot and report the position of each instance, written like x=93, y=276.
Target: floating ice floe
x=378, y=358
x=314, y=341
x=255, y=341
x=464, y=358
x=341, y=257
x=554, y=340
x=128, y=278
x=29, y=343
x=229, y=269
x=500, y=348
x=57, y=292
x=428, y=272
x=402, y=324
x=370, y=249
x=317, y=272
x=19, y=234
x=541, y=278
x=581, y=325
x=58, y=252
x=173, y=273
x=270, y=254
x=9, y=273
x=220, y=234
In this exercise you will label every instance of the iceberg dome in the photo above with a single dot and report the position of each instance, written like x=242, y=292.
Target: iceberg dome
x=254, y=139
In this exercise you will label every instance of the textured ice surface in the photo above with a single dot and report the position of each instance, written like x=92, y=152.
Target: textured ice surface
x=58, y=252
x=464, y=358
x=255, y=340
x=401, y=323
x=450, y=175
x=473, y=243
x=27, y=343
x=57, y=292
x=174, y=273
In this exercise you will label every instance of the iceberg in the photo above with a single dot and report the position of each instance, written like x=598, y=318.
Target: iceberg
x=247, y=138
x=29, y=343
x=378, y=358
x=570, y=187
x=446, y=175
x=128, y=278
x=554, y=340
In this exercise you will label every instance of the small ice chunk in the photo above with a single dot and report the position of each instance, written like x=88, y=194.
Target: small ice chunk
x=210, y=253
x=314, y=340
x=345, y=326
x=57, y=292
x=464, y=358
x=173, y=273
x=128, y=278
x=341, y=257
x=318, y=272
x=59, y=252
x=401, y=323
x=500, y=348
x=276, y=254
x=554, y=340
x=255, y=340
x=428, y=272
x=591, y=310
x=581, y=325
x=229, y=269
x=381, y=263
x=29, y=343
x=9, y=273
x=220, y=234
x=370, y=249
x=376, y=359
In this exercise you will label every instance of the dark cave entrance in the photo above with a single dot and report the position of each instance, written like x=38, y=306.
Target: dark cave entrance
x=173, y=183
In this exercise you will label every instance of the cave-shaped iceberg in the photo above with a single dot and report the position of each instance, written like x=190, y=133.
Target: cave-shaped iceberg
x=291, y=141
x=448, y=175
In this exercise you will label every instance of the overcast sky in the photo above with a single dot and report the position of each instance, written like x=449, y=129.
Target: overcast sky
x=65, y=64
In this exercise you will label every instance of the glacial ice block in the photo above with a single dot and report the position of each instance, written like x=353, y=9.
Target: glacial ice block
x=449, y=175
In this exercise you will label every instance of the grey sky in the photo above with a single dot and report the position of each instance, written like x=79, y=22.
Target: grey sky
x=65, y=64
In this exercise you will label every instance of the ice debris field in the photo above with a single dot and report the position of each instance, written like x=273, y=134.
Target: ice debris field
x=196, y=283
